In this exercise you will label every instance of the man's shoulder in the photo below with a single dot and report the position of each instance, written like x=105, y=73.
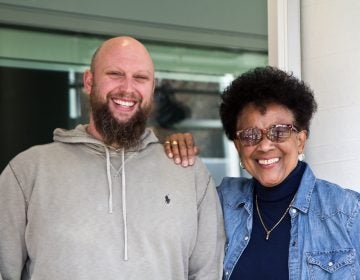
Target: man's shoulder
x=38, y=155
x=35, y=151
x=155, y=151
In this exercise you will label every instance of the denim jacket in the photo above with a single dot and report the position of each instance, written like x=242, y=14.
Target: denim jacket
x=325, y=228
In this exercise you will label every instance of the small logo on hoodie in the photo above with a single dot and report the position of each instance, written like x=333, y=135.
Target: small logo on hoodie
x=167, y=199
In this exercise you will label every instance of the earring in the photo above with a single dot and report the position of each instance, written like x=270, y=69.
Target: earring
x=241, y=164
x=301, y=156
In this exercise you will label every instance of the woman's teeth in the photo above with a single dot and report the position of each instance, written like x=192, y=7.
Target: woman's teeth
x=268, y=161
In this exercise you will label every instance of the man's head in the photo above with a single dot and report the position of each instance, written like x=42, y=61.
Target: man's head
x=121, y=87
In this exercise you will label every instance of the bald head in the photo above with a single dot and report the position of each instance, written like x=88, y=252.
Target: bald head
x=122, y=44
x=121, y=85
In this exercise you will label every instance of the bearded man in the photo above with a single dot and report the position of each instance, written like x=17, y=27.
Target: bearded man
x=103, y=201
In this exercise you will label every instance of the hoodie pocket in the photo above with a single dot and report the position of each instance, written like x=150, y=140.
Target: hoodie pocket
x=334, y=264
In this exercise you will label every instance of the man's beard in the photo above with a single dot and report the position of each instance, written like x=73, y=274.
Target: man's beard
x=120, y=134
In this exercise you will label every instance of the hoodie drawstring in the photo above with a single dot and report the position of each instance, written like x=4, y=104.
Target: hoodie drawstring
x=108, y=172
x=123, y=192
x=123, y=189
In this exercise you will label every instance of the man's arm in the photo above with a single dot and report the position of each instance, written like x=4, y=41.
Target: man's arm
x=13, y=252
x=206, y=261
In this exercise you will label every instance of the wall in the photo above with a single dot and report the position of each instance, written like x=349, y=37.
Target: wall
x=230, y=24
x=330, y=64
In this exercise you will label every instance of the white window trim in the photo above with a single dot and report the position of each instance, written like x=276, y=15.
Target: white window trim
x=284, y=42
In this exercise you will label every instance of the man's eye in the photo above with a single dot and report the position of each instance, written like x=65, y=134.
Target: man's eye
x=141, y=78
x=115, y=74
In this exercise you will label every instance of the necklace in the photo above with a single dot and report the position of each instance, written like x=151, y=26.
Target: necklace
x=268, y=231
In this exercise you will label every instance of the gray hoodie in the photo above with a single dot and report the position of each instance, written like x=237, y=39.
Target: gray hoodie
x=76, y=209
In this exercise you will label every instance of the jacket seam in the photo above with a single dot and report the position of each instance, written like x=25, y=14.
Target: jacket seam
x=19, y=184
x=354, y=214
x=204, y=193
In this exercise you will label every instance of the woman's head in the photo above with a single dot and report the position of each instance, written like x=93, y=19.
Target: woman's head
x=267, y=113
x=262, y=86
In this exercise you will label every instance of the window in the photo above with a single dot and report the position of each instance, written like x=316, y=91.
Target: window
x=41, y=89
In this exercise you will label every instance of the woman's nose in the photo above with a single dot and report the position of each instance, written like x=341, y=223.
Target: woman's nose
x=265, y=144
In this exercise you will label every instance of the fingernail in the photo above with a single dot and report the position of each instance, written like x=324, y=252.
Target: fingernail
x=170, y=155
x=191, y=161
x=177, y=160
x=185, y=163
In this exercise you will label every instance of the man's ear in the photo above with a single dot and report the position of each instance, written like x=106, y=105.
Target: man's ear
x=88, y=81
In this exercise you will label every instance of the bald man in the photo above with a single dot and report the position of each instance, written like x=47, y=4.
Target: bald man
x=103, y=201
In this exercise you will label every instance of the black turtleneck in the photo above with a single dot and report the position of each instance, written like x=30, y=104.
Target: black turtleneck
x=268, y=259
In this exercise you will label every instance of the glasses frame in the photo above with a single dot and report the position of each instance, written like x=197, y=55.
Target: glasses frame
x=266, y=131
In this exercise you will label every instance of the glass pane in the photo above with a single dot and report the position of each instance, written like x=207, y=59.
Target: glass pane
x=189, y=106
x=32, y=104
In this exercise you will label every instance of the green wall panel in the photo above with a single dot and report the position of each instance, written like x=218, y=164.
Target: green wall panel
x=31, y=49
x=238, y=24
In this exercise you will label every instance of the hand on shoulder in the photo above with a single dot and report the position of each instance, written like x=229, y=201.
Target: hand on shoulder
x=181, y=148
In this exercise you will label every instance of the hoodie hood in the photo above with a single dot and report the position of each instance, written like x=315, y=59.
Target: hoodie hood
x=79, y=135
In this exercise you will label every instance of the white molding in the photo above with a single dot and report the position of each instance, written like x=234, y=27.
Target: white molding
x=284, y=44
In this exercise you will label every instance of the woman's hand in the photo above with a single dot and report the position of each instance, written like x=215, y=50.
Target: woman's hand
x=181, y=148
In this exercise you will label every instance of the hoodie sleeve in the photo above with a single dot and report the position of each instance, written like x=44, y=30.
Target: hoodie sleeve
x=206, y=261
x=12, y=226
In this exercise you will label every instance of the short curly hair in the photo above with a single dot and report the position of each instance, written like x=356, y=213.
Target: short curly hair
x=262, y=86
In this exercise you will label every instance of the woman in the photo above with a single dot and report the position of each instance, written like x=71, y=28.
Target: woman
x=283, y=223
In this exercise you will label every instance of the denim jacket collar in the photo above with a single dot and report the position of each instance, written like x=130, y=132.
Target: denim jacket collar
x=305, y=191
x=235, y=198
x=244, y=195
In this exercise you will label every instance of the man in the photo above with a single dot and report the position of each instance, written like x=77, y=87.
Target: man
x=102, y=201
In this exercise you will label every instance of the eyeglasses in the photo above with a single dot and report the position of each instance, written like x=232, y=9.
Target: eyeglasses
x=276, y=133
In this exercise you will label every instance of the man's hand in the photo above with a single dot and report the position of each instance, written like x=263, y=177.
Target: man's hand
x=181, y=148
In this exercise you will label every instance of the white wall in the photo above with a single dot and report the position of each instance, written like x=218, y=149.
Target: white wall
x=331, y=65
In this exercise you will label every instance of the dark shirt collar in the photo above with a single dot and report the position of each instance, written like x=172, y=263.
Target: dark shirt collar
x=286, y=188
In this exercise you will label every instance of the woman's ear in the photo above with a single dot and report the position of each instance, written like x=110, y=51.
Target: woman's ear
x=88, y=81
x=237, y=145
x=302, y=137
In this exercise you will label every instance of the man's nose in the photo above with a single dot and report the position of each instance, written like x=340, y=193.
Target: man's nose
x=126, y=85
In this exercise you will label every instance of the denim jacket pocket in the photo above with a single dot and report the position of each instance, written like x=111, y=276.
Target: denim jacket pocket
x=334, y=264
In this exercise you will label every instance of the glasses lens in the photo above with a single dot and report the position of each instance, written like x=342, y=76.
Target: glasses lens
x=279, y=132
x=250, y=136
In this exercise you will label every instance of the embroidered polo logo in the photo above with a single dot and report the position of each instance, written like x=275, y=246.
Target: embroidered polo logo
x=167, y=199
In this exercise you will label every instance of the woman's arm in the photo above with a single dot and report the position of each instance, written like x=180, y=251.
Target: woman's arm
x=181, y=148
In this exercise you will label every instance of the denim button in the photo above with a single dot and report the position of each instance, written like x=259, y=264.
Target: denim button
x=246, y=238
x=293, y=210
x=330, y=264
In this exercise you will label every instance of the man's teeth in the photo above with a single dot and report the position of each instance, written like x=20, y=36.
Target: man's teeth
x=268, y=161
x=124, y=103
